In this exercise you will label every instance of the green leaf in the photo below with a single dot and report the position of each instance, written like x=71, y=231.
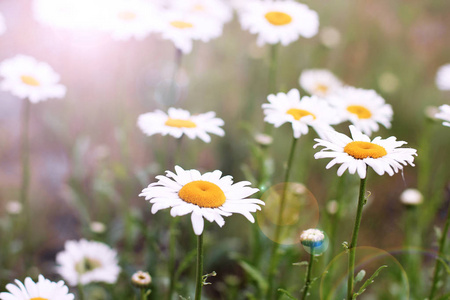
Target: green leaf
x=360, y=276
x=445, y=297
x=443, y=262
x=368, y=282
x=287, y=294
x=256, y=275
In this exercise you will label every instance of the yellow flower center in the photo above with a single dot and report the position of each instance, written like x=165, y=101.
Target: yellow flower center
x=126, y=15
x=361, y=150
x=29, y=80
x=87, y=265
x=181, y=24
x=278, y=18
x=38, y=298
x=360, y=111
x=180, y=123
x=299, y=113
x=321, y=88
x=202, y=193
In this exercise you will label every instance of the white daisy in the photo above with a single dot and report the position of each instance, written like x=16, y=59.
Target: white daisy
x=208, y=196
x=27, y=78
x=444, y=114
x=358, y=152
x=319, y=82
x=44, y=289
x=183, y=28
x=279, y=21
x=363, y=108
x=2, y=24
x=443, y=77
x=411, y=197
x=128, y=19
x=216, y=9
x=179, y=121
x=84, y=261
x=309, y=111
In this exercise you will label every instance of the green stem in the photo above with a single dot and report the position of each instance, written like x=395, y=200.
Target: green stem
x=199, y=274
x=173, y=84
x=25, y=185
x=273, y=68
x=143, y=294
x=274, y=256
x=308, y=275
x=80, y=292
x=437, y=266
x=172, y=255
x=352, y=247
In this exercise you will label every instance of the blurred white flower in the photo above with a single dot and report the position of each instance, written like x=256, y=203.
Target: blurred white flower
x=411, y=197
x=388, y=82
x=179, y=121
x=208, y=196
x=263, y=139
x=126, y=19
x=443, y=77
x=97, y=227
x=279, y=21
x=330, y=37
x=27, y=78
x=218, y=10
x=444, y=114
x=312, y=237
x=363, y=108
x=84, y=261
x=13, y=207
x=301, y=113
x=319, y=82
x=2, y=24
x=141, y=279
x=183, y=28
x=44, y=289
x=359, y=152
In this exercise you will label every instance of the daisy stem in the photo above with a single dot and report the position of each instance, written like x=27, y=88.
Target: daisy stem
x=172, y=254
x=273, y=68
x=308, y=275
x=25, y=177
x=437, y=266
x=173, y=92
x=143, y=294
x=274, y=256
x=199, y=274
x=80, y=292
x=352, y=247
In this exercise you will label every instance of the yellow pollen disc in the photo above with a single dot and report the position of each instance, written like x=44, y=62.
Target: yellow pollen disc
x=360, y=111
x=202, y=193
x=299, y=113
x=126, y=15
x=87, y=265
x=180, y=123
x=38, y=298
x=322, y=88
x=181, y=24
x=278, y=18
x=361, y=150
x=29, y=80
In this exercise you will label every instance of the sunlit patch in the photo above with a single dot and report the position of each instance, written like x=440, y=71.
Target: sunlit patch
x=203, y=194
x=181, y=24
x=127, y=15
x=87, y=265
x=322, y=88
x=199, y=7
x=278, y=18
x=299, y=113
x=39, y=298
x=361, y=150
x=360, y=111
x=180, y=123
x=30, y=80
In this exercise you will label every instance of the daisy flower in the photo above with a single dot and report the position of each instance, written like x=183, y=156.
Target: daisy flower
x=44, y=289
x=128, y=19
x=27, y=78
x=363, y=108
x=443, y=78
x=215, y=9
x=208, y=196
x=279, y=21
x=183, y=28
x=84, y=261
x=2, y=24
x=301, y=113
x=358, y=152
x=319, y=82
x=444, y=114
x=179, y=121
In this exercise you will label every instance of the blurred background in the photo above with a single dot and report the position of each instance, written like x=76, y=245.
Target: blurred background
x=89, y=160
